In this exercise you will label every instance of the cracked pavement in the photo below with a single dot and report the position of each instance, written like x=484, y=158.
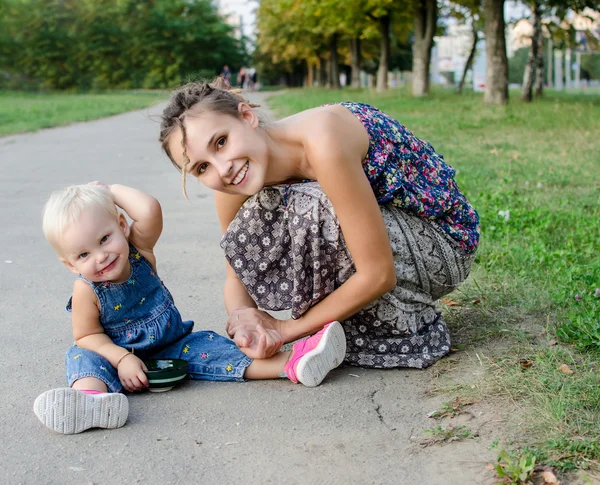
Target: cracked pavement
x=360, y=426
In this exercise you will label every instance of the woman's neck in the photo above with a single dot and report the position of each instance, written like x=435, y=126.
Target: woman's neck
x=287, y=160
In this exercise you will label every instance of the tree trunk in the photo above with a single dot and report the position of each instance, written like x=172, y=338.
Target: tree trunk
x=355, y=61
x=322, y=72
x=310, y=76
x=425, y=23
x=301, y=73
x=334, y=73
x=528, y=76
x=496, y=73
x=384, y=53
x=539, y=70
x=469, y=59
x=550, y=71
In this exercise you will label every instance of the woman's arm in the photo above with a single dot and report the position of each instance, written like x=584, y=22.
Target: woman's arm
x=254, y=342
x=334, y=150
x=235, y=295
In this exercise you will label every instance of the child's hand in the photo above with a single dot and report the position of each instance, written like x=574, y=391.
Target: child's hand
x=131, y=374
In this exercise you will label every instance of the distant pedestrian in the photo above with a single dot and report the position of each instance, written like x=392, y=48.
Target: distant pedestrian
x=123, y=315
x=251, y=74
x=585, y=77
x=226, y=75
x=242, y=78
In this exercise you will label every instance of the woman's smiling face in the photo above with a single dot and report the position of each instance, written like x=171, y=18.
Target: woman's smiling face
x=226, y=153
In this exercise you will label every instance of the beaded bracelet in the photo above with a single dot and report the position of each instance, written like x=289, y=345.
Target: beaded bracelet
x=123, y=356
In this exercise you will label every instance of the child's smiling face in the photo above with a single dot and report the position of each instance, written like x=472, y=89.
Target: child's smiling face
x=96, y=246
x=226, y=153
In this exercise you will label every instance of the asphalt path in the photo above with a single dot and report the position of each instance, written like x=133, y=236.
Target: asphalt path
x=360, y=426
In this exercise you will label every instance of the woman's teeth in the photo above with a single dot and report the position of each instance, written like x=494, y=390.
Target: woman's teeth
x=240, y=176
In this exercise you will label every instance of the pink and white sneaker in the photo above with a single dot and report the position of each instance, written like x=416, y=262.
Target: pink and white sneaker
x=314, y=357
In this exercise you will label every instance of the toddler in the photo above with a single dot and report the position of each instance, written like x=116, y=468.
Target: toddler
x=122, y=314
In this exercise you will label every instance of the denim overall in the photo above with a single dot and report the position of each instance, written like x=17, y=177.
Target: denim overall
x=140, y=314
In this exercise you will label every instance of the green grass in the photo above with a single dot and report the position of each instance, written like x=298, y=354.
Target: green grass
x=32, y=111
x=448, y=434
x=564, y=415
x=537, y=272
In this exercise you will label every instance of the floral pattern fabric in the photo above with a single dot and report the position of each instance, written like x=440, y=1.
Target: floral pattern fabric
x=409, y=173
x=287, y=248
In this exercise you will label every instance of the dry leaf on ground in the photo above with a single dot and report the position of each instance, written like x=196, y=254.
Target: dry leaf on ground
x=566, y=369
x=550, y=477
x=449, y=302
x=526, y=363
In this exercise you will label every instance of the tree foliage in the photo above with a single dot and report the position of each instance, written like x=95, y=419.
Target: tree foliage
x=468, y=12
x=552, y=14
x=292, y=32
x=97, y=44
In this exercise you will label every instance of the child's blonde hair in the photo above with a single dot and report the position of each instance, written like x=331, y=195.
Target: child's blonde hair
x=66, y=205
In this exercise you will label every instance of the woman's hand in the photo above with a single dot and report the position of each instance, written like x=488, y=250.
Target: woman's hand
x=255, y=332
x=131, y=373
x=265, y=342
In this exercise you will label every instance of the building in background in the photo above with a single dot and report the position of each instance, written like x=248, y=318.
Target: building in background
x=241, y=15
x=451, y=52
x=564, y=67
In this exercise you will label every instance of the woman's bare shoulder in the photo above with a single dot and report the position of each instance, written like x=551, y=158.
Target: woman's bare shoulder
x=334, y=127
x=322, y=116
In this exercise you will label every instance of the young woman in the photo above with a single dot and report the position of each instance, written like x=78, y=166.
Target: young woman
x=337, y=213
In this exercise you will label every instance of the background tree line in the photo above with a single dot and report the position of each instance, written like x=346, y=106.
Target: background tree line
x=369, y=30
x=310, y=39
x=548, y=15
x=99, y=44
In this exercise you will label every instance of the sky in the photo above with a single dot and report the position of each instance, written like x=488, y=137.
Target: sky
x=514, y=10
x=245, y=8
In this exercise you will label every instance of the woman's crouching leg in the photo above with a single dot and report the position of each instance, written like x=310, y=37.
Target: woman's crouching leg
x=380, y=336
x=286, y=247
x=403, y=328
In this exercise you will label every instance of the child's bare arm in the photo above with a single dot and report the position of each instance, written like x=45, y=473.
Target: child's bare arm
x=89, y=334
x=146, y=213
x=87, y=330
